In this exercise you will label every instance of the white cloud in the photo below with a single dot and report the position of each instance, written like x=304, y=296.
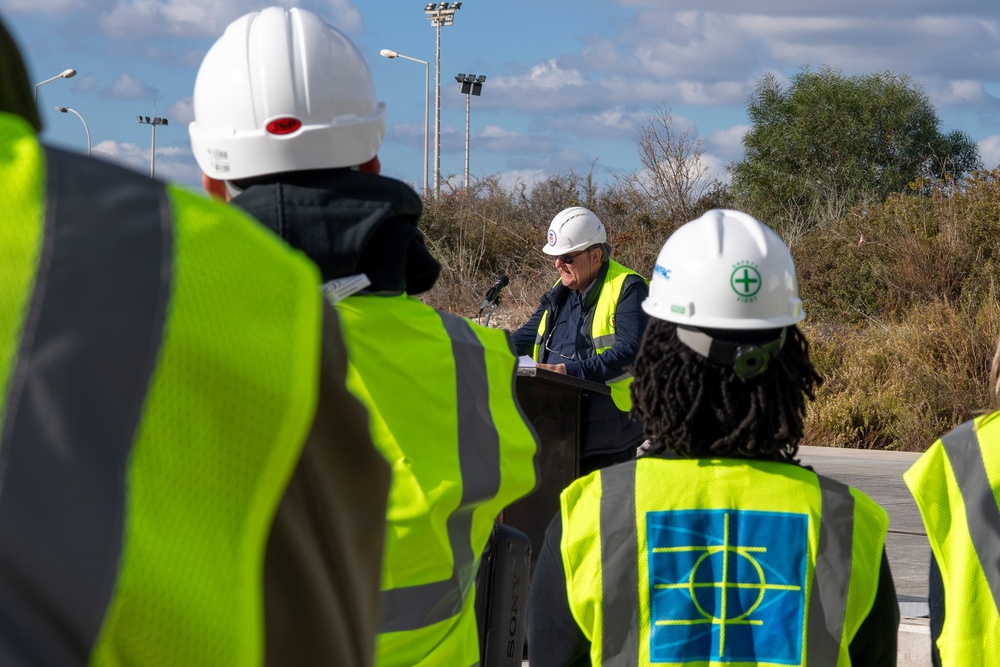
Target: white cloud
x=85, y=84
x=127, y=154
x=172, y=163
x=498, y=140
x=989, y=150
x=966, y=93
x=135, y=19
x=128, y=87
x=40, y=6
x=706, y=93
x=181, y=112
x=132, y=19
x=728, y=141
x=527, y=177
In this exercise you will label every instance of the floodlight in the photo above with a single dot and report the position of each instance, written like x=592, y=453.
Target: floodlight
x=440, y=15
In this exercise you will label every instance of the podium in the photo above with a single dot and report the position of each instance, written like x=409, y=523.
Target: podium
x=552, y=403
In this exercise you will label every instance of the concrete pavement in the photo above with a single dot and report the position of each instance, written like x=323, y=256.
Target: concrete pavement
x=880, y=475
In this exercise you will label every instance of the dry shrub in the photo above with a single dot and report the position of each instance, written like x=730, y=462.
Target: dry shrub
x=901, y=387
x=936, y=241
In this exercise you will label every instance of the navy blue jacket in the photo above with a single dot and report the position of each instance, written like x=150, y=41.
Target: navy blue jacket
x=606, y=430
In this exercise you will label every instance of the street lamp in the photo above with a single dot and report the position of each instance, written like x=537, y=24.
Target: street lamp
x=440, y=15
x=390, y=54
x=471, y=85
x=65, y=74
x=154, y=121
x=87, y=129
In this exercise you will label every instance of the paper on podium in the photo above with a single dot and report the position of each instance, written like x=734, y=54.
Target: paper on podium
x=524, y=361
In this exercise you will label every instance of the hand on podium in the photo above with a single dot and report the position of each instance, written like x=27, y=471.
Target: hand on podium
x=555, y=368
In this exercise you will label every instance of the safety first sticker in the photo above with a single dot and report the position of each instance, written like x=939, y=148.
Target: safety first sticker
x=745, y=281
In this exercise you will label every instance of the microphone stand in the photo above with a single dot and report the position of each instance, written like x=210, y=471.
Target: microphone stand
x=493, y=306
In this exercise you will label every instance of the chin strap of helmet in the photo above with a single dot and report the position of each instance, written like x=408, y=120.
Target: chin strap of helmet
x=747, y=359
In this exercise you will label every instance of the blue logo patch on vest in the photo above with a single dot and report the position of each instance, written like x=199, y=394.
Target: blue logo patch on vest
x=726, y=586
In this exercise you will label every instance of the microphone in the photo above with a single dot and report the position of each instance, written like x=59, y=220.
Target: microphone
x=494, y=293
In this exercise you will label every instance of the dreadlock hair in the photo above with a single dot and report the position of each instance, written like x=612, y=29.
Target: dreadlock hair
x=701, y=409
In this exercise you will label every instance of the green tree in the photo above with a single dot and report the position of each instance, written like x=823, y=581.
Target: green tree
x=830, y=142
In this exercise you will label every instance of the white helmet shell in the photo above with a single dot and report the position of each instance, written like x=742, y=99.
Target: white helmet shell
x=574, y=228
x=725, y=270
x=283, y=91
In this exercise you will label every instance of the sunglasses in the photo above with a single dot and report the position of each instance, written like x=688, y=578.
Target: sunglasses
x=568, y=259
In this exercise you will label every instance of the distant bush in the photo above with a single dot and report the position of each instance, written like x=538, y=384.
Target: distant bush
x=931, y=243
x=902, y=386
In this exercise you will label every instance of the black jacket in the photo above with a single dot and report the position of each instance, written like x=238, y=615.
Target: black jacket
x=347, y=222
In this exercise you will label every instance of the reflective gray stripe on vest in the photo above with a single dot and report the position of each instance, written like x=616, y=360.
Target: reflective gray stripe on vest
x=87, y=353
x=414, y=607
x=832, y=573
x=962, y=447
x=619, y=566
x=606, y=340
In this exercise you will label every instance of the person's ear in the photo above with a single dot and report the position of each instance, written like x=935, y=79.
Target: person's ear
x=214, y=187
x=373, y=166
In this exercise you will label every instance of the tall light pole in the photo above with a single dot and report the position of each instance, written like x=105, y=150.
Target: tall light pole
x=87, y=129
x=65, y=74
x=156, y=120
x=389, y=53
x=471, y=85
x=440, y=15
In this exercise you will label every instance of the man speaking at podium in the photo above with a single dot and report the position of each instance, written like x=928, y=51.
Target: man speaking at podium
x=589, y=325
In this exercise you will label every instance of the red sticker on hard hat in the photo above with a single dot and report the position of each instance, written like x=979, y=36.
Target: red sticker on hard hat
x=284, y=125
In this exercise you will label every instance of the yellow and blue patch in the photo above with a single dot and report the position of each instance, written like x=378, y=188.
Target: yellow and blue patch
x=726, y=586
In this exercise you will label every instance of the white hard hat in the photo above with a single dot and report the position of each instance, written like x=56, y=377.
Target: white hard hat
x=283, y=91
x=725, y=270
x=574, y=228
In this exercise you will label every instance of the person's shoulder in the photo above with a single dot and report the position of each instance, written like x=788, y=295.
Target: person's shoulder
x=109, y=173
x=384, y=188
x=635, y=283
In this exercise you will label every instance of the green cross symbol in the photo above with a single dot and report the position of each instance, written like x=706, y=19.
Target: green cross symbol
x=749, y=281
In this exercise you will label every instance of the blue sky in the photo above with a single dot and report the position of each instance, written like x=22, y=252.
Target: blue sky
x=569, y=82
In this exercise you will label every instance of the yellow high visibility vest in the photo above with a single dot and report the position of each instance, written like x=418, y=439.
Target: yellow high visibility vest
x=745, y=562
x=602, y=329
x=159, y=356
x=956, y=484
x=440, y=391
